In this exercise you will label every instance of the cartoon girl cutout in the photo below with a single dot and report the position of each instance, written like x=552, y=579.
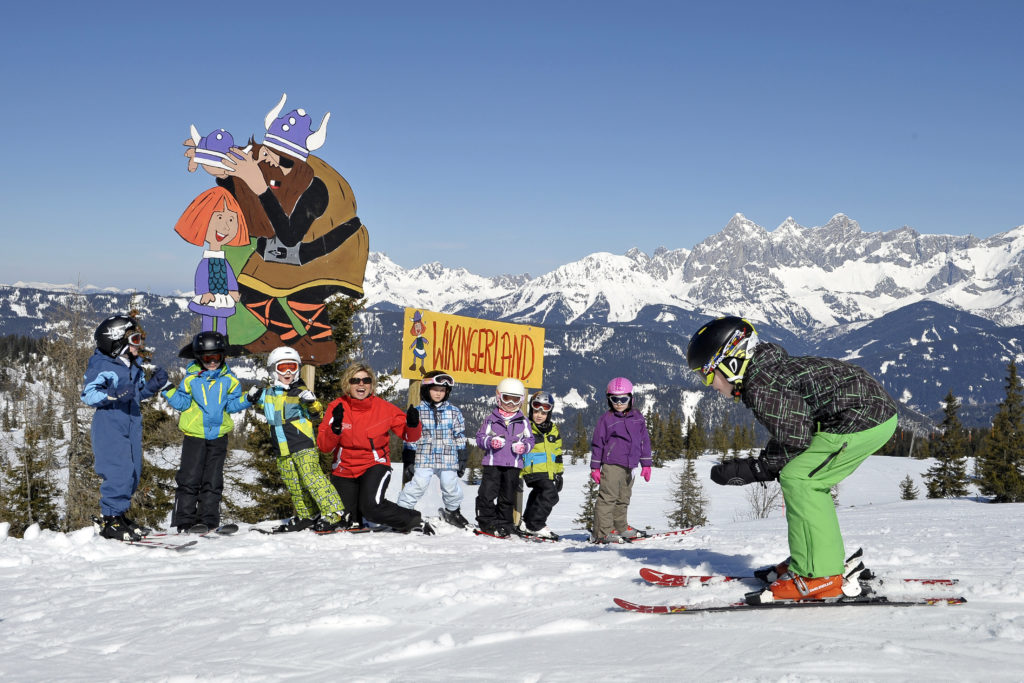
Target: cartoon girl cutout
x=419, y=343
x=214, y=218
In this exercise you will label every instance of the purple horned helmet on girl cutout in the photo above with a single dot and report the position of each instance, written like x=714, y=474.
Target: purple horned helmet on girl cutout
x=213, y=149
x=292, y=133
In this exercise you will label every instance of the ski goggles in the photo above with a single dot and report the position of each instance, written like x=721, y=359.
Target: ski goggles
x=360, y=380
x=135, y=339
x=208, y=358
x=511, y=399
x=537, y=405
x=619, y=399
x=443, y=380
x=287, y=366
x=706, y=376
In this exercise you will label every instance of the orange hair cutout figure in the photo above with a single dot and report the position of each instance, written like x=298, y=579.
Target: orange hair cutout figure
x=195, y=221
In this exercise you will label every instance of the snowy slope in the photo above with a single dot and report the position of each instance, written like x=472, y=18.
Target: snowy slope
x=382, y=607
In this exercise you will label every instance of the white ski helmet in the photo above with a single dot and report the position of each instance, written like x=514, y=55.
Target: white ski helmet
x=511, y=386
x=282, y=353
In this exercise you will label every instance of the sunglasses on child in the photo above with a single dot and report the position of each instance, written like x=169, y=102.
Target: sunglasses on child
x=619, y=399
x=537, y=405
x=207, y=358
x=135, y=339
x=287, y=366
x=443, y=380
x=360, y=380
x=511, y=399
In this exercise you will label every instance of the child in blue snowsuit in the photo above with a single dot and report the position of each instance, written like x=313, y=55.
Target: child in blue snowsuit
x=208, y=392
x=115, y=383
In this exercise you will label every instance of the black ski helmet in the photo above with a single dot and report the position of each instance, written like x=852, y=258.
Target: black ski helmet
x=209, y=342
x=723, y=343
x=113, y=333
x=436, y=378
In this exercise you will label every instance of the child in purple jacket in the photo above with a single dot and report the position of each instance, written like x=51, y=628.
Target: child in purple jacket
x=620, y=443
x=505, y=436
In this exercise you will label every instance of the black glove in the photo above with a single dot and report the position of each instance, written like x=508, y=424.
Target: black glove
x=157, y=381
x=412, y=417
x=463, y=459
x=254, y=393
x=740, y=472
x=558, y=482
x=336, y=417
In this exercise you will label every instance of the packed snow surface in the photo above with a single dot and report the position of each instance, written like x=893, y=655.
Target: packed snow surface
x=388, y=607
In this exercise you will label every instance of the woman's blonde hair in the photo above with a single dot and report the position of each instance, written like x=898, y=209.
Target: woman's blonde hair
x=351, y=372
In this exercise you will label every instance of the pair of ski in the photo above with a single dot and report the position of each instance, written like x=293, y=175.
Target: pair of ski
x=525, y=537
x=150, y=541
x=867, y=597
x=661, y=534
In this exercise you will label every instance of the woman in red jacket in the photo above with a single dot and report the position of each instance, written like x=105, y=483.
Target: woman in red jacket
x=355, y=431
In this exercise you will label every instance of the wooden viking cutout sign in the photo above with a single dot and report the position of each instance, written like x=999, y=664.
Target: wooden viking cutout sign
x=306, y=242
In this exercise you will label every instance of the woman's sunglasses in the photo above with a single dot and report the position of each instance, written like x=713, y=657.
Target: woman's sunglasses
x=360, y=380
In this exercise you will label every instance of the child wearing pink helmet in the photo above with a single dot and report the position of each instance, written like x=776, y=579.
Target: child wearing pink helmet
x=620, y=443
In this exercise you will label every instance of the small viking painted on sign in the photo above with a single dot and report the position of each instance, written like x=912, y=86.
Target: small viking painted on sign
x=419, y=342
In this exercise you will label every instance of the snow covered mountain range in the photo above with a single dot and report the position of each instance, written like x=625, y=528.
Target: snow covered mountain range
x=927, y=314
x=807, y=279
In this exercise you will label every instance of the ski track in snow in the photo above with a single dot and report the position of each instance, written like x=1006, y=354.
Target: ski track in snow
x=456, y=607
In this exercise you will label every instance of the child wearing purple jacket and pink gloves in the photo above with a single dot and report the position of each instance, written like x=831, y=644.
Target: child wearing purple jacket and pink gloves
x=504, y=436
x=620, y=443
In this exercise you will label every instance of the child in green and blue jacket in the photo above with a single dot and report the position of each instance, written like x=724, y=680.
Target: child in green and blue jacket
x=205, y=397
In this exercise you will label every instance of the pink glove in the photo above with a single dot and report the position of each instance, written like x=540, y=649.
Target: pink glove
x=497, y=442
x=519, y=448
x=645, y=472
x=596, y=476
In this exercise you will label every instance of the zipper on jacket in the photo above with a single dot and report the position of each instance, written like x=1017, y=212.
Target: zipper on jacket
x=826, y=461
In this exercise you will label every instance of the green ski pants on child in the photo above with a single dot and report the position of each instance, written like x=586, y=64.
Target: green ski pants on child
x=307, y=484
x=815, y=543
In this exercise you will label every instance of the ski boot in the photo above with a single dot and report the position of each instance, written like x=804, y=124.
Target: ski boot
x=454, y=517
x=115, y=527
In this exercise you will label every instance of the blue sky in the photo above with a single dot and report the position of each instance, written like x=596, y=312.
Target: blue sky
x=511, y=137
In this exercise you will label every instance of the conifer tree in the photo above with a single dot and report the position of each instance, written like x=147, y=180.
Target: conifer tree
x=580, y=441
x=947, y=478
x=908, y=489
x=696, y=437
x=688, y=499
x=673, y=440
x=585, y=518
x=1002, y=456
x=720, y=437
x=69, y=349
x=656, y=431
x=28, y=493
x=154, y=497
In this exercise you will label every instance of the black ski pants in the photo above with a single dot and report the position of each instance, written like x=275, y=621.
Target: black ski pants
x=496, y=497
x=363, y=497
x=200, y=481
x=543, y=497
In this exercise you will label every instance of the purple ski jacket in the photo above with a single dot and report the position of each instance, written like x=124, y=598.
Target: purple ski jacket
x=621, y=439
x=516, y=429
